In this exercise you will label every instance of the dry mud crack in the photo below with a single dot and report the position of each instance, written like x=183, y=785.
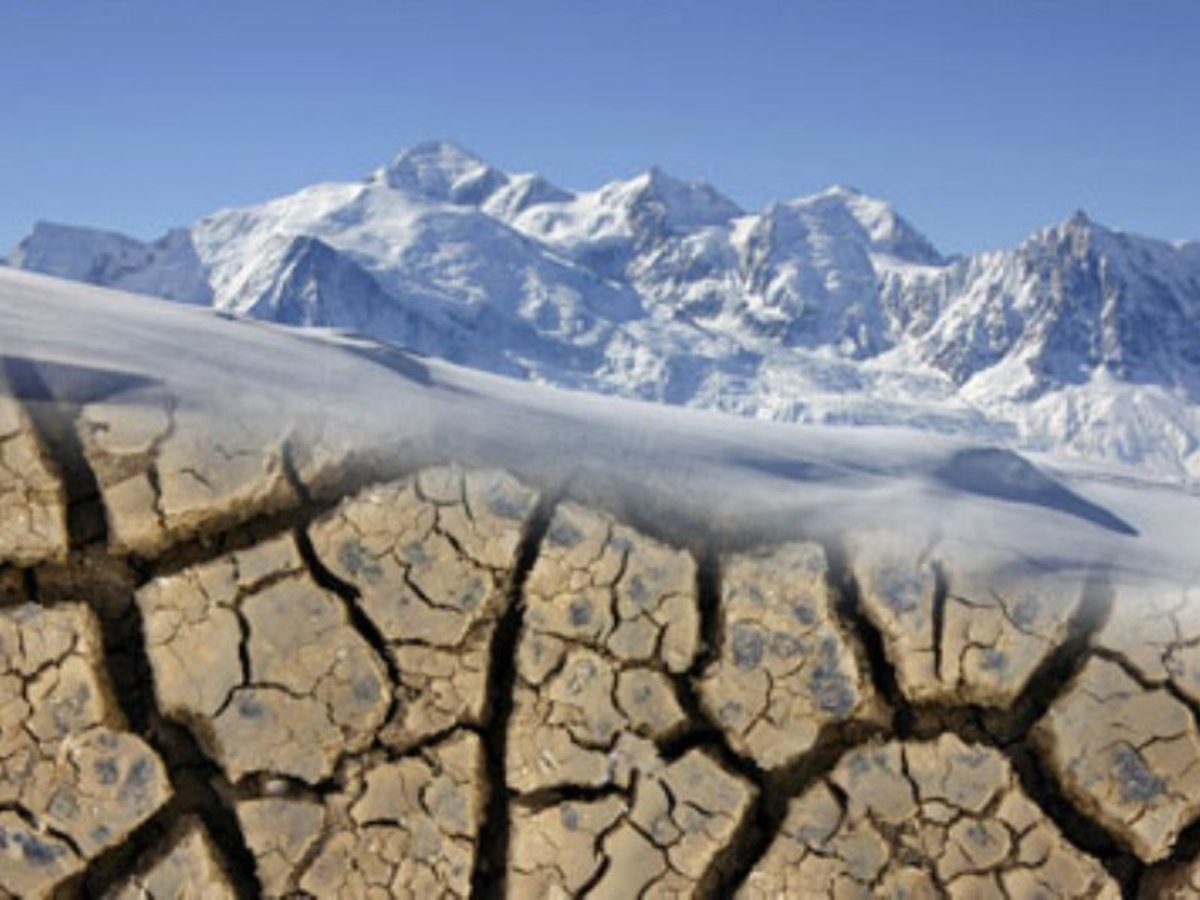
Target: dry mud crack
x=226, y=673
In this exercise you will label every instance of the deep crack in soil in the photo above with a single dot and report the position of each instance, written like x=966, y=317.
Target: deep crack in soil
x=191, y=773
x=491, y=856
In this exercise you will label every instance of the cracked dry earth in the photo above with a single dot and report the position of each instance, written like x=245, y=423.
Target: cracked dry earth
x=230, y=668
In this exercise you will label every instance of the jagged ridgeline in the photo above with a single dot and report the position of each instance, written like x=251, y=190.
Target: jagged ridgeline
x=828, y=308
x=295, y=616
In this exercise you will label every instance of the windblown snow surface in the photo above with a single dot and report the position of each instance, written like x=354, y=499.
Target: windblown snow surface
x=708, y=473
x=830, y=309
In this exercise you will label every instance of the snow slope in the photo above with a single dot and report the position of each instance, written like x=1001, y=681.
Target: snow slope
x=707, y=473
x=824, y=309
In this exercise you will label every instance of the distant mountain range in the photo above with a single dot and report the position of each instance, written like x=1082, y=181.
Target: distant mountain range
x=829, y=308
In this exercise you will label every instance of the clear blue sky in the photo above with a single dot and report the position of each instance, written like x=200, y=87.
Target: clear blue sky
x=978, y=120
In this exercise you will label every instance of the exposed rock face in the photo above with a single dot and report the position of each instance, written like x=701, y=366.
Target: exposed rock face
x=448, y=684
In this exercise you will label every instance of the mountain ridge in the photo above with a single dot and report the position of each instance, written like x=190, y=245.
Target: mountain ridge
x=829, y=307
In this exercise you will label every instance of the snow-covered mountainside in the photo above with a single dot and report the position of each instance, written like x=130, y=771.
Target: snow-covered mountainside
x=829, y=308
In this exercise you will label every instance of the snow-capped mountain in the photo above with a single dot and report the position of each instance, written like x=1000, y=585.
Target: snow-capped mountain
x=824, y=308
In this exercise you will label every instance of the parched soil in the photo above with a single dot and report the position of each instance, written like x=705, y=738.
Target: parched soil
x=233, y=667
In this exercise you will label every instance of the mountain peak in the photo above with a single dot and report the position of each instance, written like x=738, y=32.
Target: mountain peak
x=656, y=177
x=522, y=191
x=442, y=170
x=1079, y=232
x=843, y=192
x=889, y=232
x=1079, y=221
x=1081, y=224
x=684, y=204
x=438, y=153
